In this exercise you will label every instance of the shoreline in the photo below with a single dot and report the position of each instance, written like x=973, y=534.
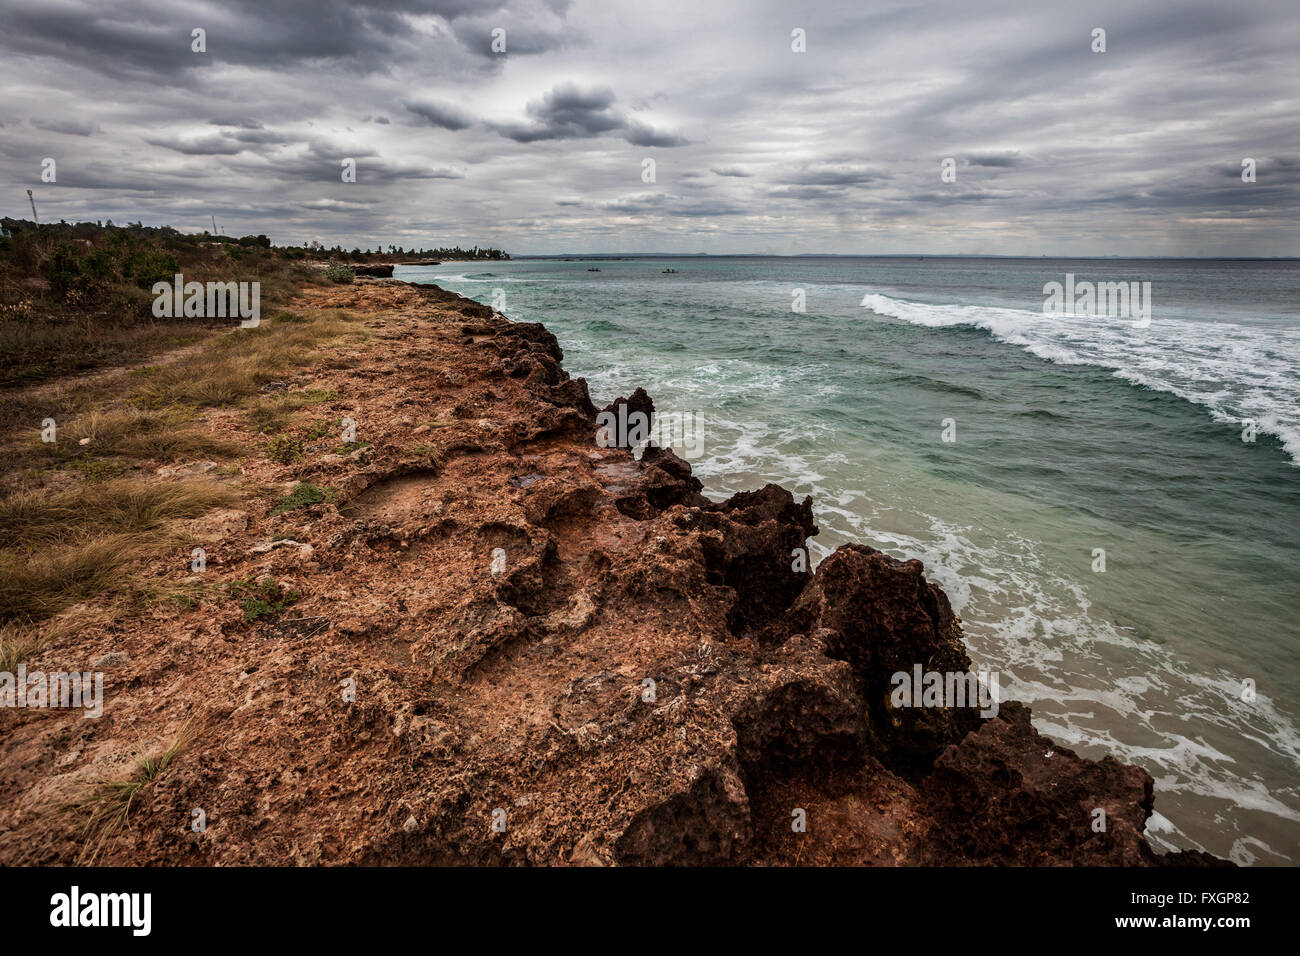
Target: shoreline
x=500, y=590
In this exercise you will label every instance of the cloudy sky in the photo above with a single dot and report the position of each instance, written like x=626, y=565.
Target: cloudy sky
x=542, y=148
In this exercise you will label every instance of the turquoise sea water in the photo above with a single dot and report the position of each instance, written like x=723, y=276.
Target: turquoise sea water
x=1073, y=433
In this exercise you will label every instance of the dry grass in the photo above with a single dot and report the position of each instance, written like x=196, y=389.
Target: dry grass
x=107, y=806
x=65, y=548
x=20, y=641
x=158, y=422
x=46, y=345
x=17, y=643
x=135, y=433
x=31, y=518
x=43, y=584
x=43, y=341
x=236, y=366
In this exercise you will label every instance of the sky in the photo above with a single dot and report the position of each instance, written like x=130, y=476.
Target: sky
x=756, y=145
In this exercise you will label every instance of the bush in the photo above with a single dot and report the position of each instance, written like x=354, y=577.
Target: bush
x=284, y=449
x=88, y=277
x=338, y=272
x=62, y=269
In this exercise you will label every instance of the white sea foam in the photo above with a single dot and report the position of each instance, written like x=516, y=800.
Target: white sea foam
x=1236, y=371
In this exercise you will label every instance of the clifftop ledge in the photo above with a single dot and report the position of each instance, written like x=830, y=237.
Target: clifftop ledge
x=560, y=655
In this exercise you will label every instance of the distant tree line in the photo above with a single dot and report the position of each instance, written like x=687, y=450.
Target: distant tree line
x=443, y=252
x=24, y=231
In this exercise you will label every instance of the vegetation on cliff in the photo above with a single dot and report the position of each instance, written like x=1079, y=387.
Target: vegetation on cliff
x=76, y=296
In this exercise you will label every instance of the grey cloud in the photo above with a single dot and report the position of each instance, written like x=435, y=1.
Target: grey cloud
x=530, y=29
x=1008, y=159
x=357, y=35
x=215, y=145
x=667, y=204
x=70, y=126
x=638, y=134
x=1134, y=151
x=833, y=174
x=439, y=114
x=569, y=111
x=323, y=163
x=566, y=112
x=338, y=204
x=259, y=137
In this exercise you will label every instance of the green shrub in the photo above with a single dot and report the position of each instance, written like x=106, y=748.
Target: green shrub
x=261, y=600
x=284, y=449
x=304, y=495
x=62, y=269
x=338, y=272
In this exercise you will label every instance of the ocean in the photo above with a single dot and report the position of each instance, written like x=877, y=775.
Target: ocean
x=1111, y=504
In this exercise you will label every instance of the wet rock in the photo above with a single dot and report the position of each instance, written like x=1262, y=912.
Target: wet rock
x=1006, y=795
x=883, y=617
x=757, y=554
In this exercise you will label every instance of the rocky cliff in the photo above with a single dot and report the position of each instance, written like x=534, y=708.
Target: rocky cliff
x=508, y=644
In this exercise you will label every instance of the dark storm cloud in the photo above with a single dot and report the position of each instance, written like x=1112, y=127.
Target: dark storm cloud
x=570, y=112
x=156, y=37
x=566, y=112
x=757, y=148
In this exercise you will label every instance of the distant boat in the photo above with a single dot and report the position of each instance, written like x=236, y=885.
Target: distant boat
x=670, y=272
x=593, y=270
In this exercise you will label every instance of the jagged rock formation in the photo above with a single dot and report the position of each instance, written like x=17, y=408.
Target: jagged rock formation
x=374, y=272
x=561, y=655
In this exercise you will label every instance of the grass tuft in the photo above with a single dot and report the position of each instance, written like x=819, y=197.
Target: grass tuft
x=108, y=804
x=304, y=495
x=64, y=548
x=118, y=506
